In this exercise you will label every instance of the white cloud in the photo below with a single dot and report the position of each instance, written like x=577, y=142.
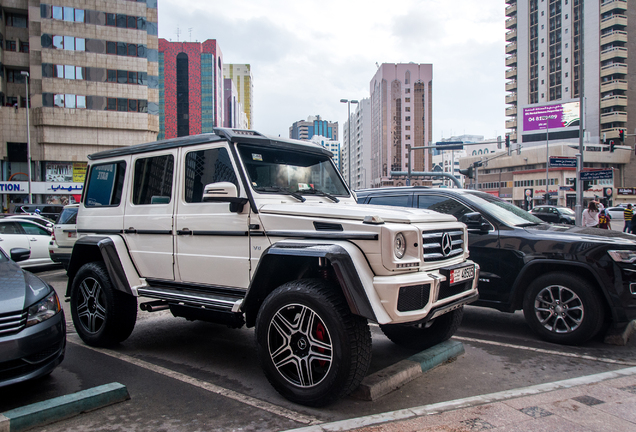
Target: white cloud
x=307, y=55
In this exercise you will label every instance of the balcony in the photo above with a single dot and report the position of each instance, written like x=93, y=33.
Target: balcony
x=614, y=36
x=511, y=98
x=511, y=10
x=614, y=20
x=613, y=85
x=512, y=22
x=511, y=35
x=511, y=85
x=511, y=73
x=513, y=136
x=610, y=5
x=612, y=69
x=610, y=132
x=614, y=117
x=511, y=124
x=614, y=101
x=511, y=111
x=611, y=53
x=511, y=48
x=511, y=61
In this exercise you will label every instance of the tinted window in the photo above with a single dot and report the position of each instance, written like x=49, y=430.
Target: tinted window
x=205, y=167
x=67, y=216
x=10, y=228
x=153, y=180
x=442, y=204
x=33, y=229
x=398, y=200
x=105, y=184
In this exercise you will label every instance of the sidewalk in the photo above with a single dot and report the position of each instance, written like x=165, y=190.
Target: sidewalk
x=601, y=402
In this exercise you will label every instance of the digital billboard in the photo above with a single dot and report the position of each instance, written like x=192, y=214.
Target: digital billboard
x=551, y=116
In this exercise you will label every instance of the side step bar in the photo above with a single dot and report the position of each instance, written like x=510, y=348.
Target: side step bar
x=228, y=302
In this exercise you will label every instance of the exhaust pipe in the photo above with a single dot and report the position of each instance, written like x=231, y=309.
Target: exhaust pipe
x=154, y=306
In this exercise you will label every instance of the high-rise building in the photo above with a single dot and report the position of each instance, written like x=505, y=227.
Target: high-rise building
x=314, y=125
x=190, y=88
x=234, y=115
x=331, y=145
x=545, y=39
x=92, y=72
x=402, y=114
x=241, y=76
x=360, y=137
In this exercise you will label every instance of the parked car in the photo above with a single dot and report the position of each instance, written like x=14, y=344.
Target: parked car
x=51, y=211
x=32, y=323
x=22, y=233
x=567, y=280
x=40, y=220
x=555, y=214
x=64, y=235
x=618, y=217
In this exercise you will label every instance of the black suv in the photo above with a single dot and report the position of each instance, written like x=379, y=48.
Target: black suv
x=567, y=280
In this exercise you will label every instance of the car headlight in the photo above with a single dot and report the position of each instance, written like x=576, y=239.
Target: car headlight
x=44, y=309
x=623, y=256
x=399, y=245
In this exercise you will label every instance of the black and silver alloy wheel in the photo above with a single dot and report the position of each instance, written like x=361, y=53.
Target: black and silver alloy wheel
x=559, y=309
x=91, y=308
x=299, y=345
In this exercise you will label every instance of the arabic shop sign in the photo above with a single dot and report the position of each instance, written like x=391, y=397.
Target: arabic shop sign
x=65, y=172
x=64, y=187
x=22, y=187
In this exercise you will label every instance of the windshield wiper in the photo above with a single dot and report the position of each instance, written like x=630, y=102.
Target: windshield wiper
x=529, y=224
x=283, y=190
x=320, y=193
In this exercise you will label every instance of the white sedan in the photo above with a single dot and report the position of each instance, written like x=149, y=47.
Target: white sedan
x=21, y=233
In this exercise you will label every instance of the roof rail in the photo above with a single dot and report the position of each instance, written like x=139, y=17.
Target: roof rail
x=229, y=133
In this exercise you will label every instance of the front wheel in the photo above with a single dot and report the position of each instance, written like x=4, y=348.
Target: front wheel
x=312, y=349
x=563, y=308
x=423, y=336
x=102, y=315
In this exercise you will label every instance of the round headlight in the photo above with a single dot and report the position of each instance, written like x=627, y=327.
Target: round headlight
x=399, y=247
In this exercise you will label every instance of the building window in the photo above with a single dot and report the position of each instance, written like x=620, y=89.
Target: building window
x=24, y=47
x=10, y=45
x=407, y=137
x=408, y=90
x=408, y=99
x=407, y=109
x=407, y=118
x=16, y=20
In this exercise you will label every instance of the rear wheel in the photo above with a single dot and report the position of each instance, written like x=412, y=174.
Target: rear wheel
x=102, y=315
x=312, y=349
x=423, y=336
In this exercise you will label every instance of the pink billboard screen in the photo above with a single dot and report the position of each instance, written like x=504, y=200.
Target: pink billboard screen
x=551, y=116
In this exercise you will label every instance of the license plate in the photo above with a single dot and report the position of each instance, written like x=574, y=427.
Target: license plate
x=462, y=274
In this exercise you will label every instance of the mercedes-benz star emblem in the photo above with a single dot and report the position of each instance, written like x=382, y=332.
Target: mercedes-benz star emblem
x=447, y=244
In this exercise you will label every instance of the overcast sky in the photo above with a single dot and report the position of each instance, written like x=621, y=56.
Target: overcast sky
x=307, y=55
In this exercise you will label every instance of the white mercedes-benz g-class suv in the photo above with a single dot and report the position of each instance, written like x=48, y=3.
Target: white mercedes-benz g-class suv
x=237, y=228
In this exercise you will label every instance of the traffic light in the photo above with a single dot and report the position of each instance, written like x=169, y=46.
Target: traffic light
x=468, y=172
x=621, y=135
x=612, y=146
x=546, y=197
x=507, y=141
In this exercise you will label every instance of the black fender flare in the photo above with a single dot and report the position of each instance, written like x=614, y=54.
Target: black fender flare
x=343, y=266
x=98, y=248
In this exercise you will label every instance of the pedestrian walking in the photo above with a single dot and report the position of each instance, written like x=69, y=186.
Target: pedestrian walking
x=628, y=214
x=604, y=220
x=590, y=215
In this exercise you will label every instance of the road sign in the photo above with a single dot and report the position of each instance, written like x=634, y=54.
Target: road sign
x=562, y=162
x=597, y=175
x=449, y=145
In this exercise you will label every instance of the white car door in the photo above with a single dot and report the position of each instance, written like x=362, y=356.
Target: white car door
x=12, y=236
x=38, y=239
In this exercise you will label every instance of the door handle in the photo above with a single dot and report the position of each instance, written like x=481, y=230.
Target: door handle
x=184, y=231
x=33, y=239
x=130, y=230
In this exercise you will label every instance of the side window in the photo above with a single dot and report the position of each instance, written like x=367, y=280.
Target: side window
x=442, y=204
x=33, y=229
x=153, y=180
x=204, y=167
x=396, y=200
x=105, y=185
x=10, y=228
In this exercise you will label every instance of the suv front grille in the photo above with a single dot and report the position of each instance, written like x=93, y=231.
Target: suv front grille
x=442, y=245
x=12, y=322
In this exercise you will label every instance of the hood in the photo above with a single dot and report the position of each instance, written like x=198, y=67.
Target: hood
x=356, y=212
x=588, y=234
x=19, y=288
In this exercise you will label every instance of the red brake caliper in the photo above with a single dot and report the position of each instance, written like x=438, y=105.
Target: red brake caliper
x=320, y=334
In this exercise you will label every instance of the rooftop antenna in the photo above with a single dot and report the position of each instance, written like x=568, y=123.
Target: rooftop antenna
x=178, y=33
x=190, y=30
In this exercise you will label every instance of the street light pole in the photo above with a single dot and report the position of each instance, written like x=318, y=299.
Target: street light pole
x=26, y=80
x=349, y=102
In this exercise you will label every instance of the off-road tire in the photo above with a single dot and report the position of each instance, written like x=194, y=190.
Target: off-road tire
x=102, y=315
x=320, y=333
x=422, y=336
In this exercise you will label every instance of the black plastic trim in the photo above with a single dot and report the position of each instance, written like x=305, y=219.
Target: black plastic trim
x=157, y=145
x=345, y=235
x=248, y=191
x=100, y=231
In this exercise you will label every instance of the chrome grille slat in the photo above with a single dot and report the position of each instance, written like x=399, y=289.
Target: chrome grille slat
x=432, y=244
x=13, y=322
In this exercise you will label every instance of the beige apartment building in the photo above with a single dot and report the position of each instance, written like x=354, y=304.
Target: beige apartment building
x=92, y=70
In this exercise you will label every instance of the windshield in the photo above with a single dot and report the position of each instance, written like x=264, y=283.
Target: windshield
x=566, y=211
x=504, y=211
x=277, y=170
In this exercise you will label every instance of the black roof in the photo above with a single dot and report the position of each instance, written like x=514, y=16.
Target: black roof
x=243, y=136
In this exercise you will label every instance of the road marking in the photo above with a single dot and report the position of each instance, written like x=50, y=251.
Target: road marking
x=545, y=351
x=248, y=400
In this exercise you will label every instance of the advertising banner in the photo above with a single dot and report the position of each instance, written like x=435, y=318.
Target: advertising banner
x=626, y=191
x=551, y=116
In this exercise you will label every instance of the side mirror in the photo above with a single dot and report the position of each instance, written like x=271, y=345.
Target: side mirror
x=224, y=192
x=475, y=222
x=20, y=254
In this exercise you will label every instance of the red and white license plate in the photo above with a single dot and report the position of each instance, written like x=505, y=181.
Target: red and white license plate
x=462, y=274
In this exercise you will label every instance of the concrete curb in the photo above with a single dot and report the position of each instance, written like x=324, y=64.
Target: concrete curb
x=621, y=335
x=59, y=408
x=395, y=376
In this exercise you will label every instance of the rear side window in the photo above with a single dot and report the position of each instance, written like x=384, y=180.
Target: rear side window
x=442, y=204
x=68, y=216
x=396, y=200
x=34, y=229
x=204, y=167
x=105, y=185
x=153, y=180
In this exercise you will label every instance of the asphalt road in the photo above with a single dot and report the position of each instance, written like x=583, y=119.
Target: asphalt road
x=196, y=376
